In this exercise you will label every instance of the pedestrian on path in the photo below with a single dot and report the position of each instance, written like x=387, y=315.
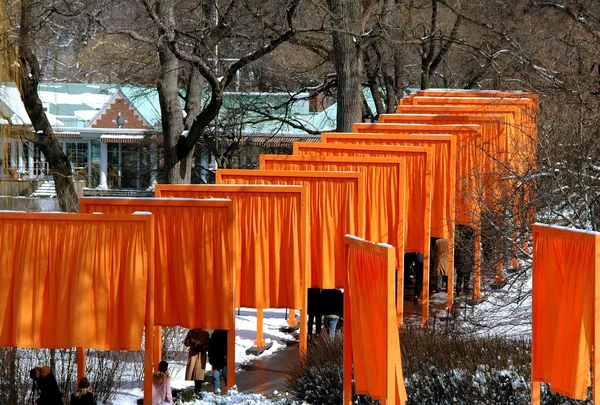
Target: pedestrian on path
x=333, y=304
x=440, y=267
x=217, y=357
x=314, y=311
x=197, y=342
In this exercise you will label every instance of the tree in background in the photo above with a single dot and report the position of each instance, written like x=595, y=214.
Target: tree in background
x=190, y=39
x=21, y=26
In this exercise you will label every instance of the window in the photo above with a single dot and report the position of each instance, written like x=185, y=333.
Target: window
x=77, y=152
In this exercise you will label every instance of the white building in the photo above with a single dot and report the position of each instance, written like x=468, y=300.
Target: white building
x=111, y=135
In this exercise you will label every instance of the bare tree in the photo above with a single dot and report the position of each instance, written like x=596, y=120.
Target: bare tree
x=24, y=69
x=188, y=37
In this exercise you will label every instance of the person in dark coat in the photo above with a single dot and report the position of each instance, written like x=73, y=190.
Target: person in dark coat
x=416, y=259
x=314, y=311
x=332, y=301
x=197, y=341
x=217, y=357
x=48, y=387
x=84, y=394
x=464, y=258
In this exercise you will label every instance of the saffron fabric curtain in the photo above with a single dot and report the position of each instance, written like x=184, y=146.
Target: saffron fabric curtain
x=417, y=179
x=336, y=207
x=466, y=151
x=193, y=257
x=374, y=337
x=418, y=164
x=74, y=280
x=270, y=238
x=443, y=176
x=384, y=189
x=489, y=145
x=443, y=169
x=563, y=308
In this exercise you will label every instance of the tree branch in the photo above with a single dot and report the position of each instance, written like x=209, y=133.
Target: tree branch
x=578, y=18
x=257, y=54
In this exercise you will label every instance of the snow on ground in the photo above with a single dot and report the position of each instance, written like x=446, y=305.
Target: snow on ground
x=507, y=311
x=245, y=323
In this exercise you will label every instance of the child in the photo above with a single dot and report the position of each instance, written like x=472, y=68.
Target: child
x=161, y=385
x=84, y=394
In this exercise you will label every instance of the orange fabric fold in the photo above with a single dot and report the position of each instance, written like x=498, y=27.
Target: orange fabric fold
x=271, y=223
x=418, y=164
x=74, y=280
x=443, y=168
x=375, y=354
x=384, y=193
x=192, y=256
x=336, y=207
x=563, y=307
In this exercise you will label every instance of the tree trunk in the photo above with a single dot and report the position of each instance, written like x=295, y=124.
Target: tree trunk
x=347, y=55
x=178, y=171
x=27, y=76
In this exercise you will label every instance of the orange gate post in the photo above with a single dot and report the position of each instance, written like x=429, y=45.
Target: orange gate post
x=565, y=316
x=185, y=257
x=279, y=280
x=369, y=306
x=384, y=191
x=341, y=203
x=418, y=179
x=443, y=177
x=82, y=262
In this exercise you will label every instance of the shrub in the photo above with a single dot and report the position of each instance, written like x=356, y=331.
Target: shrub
x=318, y=378
x=439, y=368
x=457, y=368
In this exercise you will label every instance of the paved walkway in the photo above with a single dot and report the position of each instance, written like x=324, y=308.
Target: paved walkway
x=264, y=376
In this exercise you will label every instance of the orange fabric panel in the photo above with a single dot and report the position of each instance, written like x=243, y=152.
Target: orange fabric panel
x=383, y=189
x=336, y=207
x=563, y=308
x=370, y=292
x=192, y=256
x=74, y=280
x=534, y=97
x=444, y=175
x=520, y=114
x=480, y=156
x=271, y=271
x=465, y=187
x=443, y=170
x=418, y=182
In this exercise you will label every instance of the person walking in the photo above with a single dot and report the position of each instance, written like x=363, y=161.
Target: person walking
x=415, y=259
x=440, y=268
x=314, y=311
x=161, y=385
x=197, y=342
x=48, y=387
x=84, y=394
x=333, y=304
x=464, y=258
x=217, y=357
